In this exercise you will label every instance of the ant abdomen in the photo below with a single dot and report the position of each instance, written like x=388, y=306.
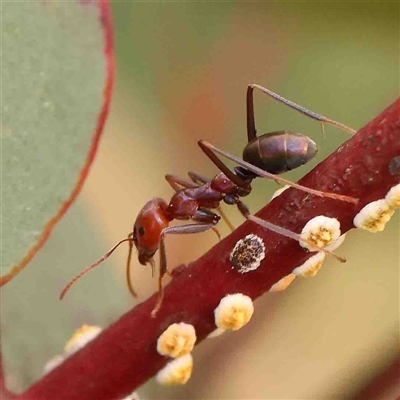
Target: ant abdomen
x=279, y=152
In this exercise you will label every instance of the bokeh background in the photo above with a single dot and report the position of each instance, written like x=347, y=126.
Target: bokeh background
x=182, y=72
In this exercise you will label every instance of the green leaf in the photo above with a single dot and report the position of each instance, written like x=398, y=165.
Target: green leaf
x=57, y=73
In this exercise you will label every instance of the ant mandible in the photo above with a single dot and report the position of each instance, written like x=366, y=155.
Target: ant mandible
x=264, y=156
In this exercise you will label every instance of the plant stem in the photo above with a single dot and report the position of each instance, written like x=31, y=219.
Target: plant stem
x=124, y=356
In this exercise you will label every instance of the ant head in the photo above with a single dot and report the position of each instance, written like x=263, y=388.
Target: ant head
x=146, y=235
x=147, y=229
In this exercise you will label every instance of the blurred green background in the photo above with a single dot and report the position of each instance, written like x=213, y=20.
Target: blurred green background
x=182, y=72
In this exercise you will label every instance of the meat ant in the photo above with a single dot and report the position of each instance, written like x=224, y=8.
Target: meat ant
x=264, y=156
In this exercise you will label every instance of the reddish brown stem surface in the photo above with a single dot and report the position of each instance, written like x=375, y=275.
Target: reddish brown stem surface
x=124, y=356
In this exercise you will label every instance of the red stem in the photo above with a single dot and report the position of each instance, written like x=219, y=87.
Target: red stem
x=124, y=356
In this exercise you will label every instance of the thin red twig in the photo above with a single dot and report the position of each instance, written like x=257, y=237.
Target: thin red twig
x=124, y=356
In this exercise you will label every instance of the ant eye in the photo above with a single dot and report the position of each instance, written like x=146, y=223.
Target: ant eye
x=141, y=231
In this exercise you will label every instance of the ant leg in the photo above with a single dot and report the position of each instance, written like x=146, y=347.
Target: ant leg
x=251, y=130
x=205, y=215
x=209, y=149
x=128, y=266
x=216, y=231
x=178, y=183
x=251, y=125
x=282, y=231
x=225, y=218
x=259, y=172
x=197, y=178
x=90, y=267
x=173, y=230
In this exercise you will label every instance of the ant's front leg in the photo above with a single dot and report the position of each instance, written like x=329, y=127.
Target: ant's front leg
x=251, y=129
x=173, y=230
x=210, y=150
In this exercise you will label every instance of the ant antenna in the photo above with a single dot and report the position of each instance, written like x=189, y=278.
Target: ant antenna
x=77, y=277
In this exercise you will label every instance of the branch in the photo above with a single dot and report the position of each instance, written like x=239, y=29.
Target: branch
x=124, y=356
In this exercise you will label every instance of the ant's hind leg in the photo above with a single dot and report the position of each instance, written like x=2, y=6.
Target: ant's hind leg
x=283, y=231
x=251, y=130
x=259, y=172
x=173, y=230
x=209, y=150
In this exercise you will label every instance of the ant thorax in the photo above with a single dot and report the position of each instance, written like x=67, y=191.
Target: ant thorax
x=221, y=183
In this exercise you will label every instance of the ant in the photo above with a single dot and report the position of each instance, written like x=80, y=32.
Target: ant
x=195, y=199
